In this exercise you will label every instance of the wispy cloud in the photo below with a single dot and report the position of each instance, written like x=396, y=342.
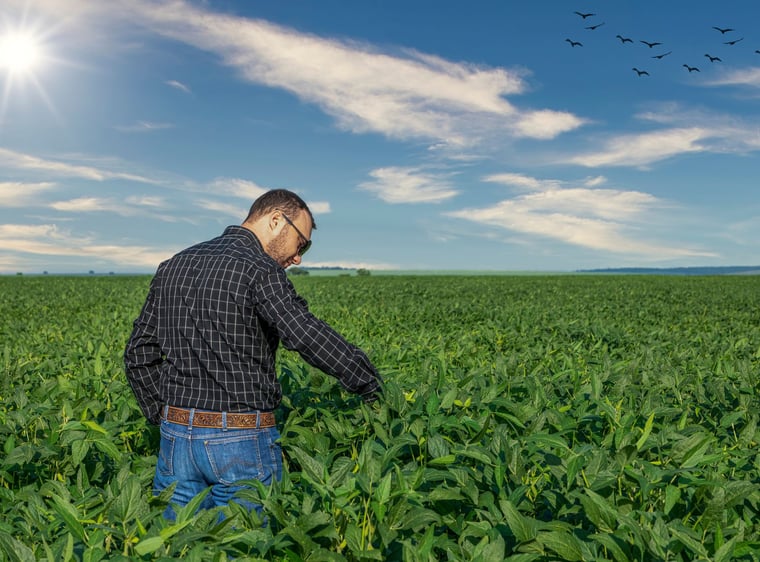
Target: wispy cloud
x=60, y=168
x=403, y=94
x=409, y=185
x=228, y=209
x=685, y=131
x=178, y=85
x=645, y=148
x=20, y=194
x=144, y=127
x=144, y=206
x=49, y=240
x=236, y=187
x=738, y=77
x=601, y=219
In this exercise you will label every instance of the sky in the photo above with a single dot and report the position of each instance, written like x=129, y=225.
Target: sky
x=423, y=134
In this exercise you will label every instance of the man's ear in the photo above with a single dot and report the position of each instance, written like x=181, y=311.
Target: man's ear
x=275, y=220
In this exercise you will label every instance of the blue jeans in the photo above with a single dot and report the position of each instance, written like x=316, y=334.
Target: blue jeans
x=197, y=458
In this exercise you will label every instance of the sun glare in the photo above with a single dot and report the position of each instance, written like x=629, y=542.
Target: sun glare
x=19, y=52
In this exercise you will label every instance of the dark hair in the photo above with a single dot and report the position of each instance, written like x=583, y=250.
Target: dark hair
x=279, y=199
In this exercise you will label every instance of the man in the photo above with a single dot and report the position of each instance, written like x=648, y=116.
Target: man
x=201, y=357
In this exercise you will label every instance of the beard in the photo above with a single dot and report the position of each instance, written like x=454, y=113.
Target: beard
x=276, y=249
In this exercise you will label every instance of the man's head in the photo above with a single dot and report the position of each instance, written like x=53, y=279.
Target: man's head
x=282, y=222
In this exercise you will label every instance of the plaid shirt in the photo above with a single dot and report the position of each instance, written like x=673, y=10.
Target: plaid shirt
x=208, y=332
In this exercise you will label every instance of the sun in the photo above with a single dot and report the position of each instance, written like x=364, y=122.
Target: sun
x=20, y=52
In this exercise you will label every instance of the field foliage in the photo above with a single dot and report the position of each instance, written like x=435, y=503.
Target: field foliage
x=524, y=418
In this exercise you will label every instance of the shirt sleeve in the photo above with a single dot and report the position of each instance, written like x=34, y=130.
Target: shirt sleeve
x=319, y=344
x=143, y=358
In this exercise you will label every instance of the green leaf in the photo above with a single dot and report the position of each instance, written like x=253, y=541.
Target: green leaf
x=149, y=545
x=437, y=446
x=523, y=528
x=646, y=432
x=603, y=515
x=567, y=546
x=383, y=490
x=442, y=461
x=313, y=469
x=419, y=517
x=614, y=545
x=672, y=495
x=79, y=451
x=15, y=550
x=70, y=516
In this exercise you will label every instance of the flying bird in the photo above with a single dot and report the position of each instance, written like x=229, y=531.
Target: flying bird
x=574, y=43
x=624, y=39
x=691, y=68
x=663, y=55
x=734, y=42
x=584, y=16
x=640, y=72
x=650, y=45
x=723, y=29
x=593, y=27
x=713, y=59
x=758, y=52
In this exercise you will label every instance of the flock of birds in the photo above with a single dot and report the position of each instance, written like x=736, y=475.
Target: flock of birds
x=652, y=44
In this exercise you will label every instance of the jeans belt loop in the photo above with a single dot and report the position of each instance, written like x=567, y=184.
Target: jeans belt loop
x=190, y=420
x=224, y=421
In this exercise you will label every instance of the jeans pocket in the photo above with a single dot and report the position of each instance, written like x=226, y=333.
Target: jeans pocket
x=245, y=457
x=165, y=464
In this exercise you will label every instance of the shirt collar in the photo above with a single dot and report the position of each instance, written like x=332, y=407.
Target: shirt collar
x=243, y=232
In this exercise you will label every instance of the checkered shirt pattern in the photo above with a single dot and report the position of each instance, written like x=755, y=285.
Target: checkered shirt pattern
x=209, y=330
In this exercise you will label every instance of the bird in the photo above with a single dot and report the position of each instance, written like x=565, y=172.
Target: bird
x=663, y=55
x=723, y=29
x=574, y=43
x=624, y=39
x=758, y=52
x=584, y=16
x=734, y=42
x=713, y=59
x=691, y=68
x=593, y=27
x=640, y=72
x=650, y=45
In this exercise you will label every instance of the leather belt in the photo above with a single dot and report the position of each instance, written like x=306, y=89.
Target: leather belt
x=215, y=419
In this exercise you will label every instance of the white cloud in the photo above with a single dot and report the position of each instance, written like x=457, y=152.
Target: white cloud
x=521, y=181
x=236, y=211
x=645, y=148
x=237, y=187
x=144, y=127
x=178, y=85
x=147, y=201
x=85, y=205
x=738, y=77
x=131, y=206
x=408, y=185
x=21, y=194
x=601, y=219
x=404, y=94
x=319, y=207
x=49, y=240
x=21, y=161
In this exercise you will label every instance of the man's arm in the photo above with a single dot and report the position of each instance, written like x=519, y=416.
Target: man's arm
x=142, y=360
x=318, y=343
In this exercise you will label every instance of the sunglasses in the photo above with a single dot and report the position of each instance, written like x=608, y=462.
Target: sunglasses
x=303, y=248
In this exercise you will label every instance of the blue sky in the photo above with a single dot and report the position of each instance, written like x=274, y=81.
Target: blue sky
x=423, y=134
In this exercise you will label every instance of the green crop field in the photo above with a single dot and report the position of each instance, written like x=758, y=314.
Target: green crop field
x=524, y=418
